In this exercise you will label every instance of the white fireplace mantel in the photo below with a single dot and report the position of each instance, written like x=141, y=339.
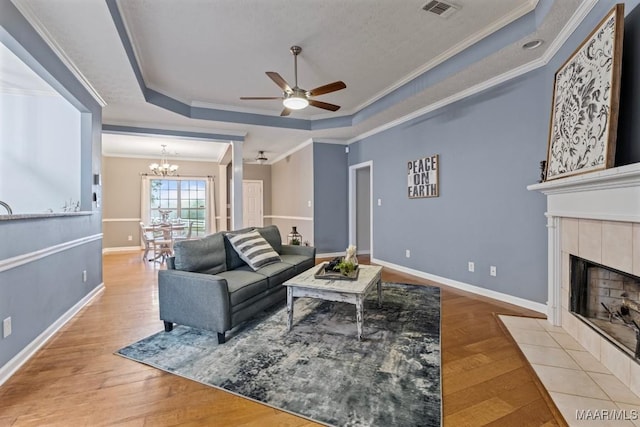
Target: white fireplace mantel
x=607, y=195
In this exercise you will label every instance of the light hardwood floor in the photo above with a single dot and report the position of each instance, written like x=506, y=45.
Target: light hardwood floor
x=76, y=380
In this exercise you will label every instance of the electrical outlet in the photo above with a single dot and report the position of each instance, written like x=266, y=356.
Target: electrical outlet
x=308, y=203
x=6, y=327
x=379, y=202
x=407, y=253
x=129, y=238
x=493, y=271
x=472, y=266
x=84, y=275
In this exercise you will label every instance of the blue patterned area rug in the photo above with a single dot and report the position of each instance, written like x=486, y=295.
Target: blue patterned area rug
x=320, y=370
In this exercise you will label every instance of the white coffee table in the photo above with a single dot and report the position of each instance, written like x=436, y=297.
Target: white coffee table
x=350, y=291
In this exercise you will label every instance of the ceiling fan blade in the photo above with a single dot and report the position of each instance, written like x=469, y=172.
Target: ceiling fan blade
x=260, y=97
x=324, y=105
x=285, y=112
x=331, y=87
x=277, y=78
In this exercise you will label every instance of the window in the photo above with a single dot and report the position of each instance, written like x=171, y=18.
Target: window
x=180, y=199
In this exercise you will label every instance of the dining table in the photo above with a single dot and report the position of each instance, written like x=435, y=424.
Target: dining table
x=167, y=229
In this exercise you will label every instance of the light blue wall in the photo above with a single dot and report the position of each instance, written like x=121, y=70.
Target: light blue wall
x=330, y=192
x=490, y=147
x=36, y=292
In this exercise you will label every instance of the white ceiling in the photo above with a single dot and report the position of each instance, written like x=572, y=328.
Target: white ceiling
x=209, y=53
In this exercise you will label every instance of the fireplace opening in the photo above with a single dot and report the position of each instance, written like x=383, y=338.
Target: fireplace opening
x=608, y=300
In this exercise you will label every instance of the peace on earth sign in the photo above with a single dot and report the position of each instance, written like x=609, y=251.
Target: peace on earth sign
x=422, y=177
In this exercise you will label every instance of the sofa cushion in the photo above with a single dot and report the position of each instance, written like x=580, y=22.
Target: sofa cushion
x=301, y=262
x=243, y=285
x=253, y=249
x=277, y=273
x=272, y=235
x=233, y=259
x=206, y=255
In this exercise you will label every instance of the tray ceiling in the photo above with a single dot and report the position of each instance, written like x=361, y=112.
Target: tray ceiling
x=209, y=53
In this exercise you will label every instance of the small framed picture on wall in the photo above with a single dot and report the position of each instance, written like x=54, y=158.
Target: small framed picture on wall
x=422, y=177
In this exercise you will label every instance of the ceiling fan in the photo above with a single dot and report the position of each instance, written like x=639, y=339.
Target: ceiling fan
x=297, y=98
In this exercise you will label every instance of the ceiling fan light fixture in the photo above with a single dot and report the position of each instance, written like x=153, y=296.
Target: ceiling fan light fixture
x=296, y=102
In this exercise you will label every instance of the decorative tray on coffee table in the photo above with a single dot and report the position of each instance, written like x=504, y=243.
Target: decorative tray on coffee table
x=322, y=273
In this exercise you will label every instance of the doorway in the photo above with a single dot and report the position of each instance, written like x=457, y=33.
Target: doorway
x=252, y=203
x=361, y=207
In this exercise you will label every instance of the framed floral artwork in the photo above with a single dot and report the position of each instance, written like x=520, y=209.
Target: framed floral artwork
x=586, y=95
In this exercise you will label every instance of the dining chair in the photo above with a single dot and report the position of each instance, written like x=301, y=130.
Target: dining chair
x=162, y=242
x=148, y=240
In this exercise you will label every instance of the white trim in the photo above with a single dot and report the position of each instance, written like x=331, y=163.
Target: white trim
x=582, y=11
x=353, y=202
x=296, y=218
x=121, y=249
x=121, y=219
x=10, y=368
x=601, y=216
x=17, y=261
x=329, y=254
x=554, y=266
x=290, y=152
x=521, y=302
x=619, y=177
x=31, y=17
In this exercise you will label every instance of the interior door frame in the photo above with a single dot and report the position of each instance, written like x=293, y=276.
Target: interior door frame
x=244, y=198
x=353, y=218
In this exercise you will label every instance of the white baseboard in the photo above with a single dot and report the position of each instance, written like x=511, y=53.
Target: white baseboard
x=521, y=302
x=121, y=249
x=21, y=358
x=330, y=254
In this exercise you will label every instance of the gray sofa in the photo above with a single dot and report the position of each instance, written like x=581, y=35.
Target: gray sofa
x=207, y=285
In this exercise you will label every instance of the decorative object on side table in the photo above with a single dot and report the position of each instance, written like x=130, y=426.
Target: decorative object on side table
x=586, y=95
x=294, y=238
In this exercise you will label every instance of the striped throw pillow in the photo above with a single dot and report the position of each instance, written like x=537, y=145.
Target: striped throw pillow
x=253, y=249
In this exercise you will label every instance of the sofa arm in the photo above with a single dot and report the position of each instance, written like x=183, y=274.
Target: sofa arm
x=194, y=299
x=308, y=251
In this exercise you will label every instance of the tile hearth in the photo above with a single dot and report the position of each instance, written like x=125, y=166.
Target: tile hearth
x=574, y=379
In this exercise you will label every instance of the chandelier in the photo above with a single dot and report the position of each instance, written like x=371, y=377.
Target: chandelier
x=163, y=168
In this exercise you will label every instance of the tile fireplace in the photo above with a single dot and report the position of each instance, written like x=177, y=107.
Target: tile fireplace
x=593, y=223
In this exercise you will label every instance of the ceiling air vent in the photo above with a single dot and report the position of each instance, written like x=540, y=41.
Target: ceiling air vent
x=440, y=8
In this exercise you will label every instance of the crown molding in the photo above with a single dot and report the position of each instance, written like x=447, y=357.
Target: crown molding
x=562, y=37
x=292, y=151
x=31, y=17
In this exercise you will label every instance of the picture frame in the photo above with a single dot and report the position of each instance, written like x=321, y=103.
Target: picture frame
x=586, y=97
x=423, y=177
